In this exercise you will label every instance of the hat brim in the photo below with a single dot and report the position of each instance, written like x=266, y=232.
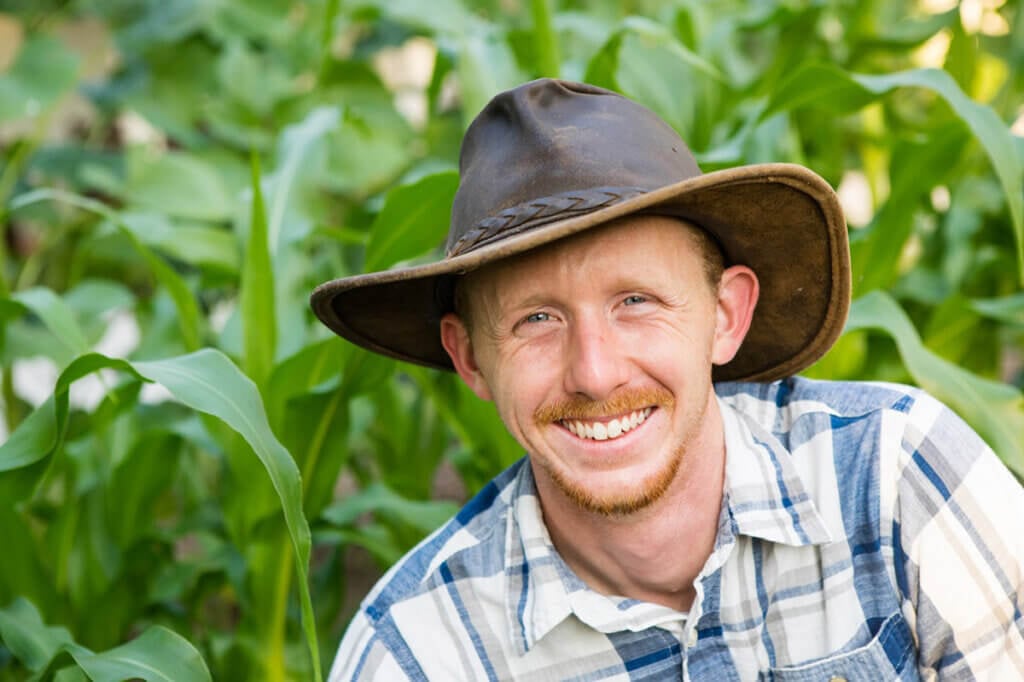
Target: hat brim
x=781, y=220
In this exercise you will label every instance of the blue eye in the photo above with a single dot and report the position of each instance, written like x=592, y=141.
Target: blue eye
x=634, y=299
x=538, y=317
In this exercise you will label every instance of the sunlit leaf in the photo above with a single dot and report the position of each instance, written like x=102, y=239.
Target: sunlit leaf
x=43, y=71
x=995, y=410
x=193, y=243
x=157, y=655
x=440, y=16
x=208, y=382
x=916, y=168
x=33, y=440
x=188, y=311
x=93, y=298
x=828, y=86
x=297, y=143
x=56, y=315
x=27, y=571
x=30, y=640
x=485, y=66
x=251, y=78
x=414, y=219
x=180, y=185
x=1008, y=309
x=257, y=290
x=205, y=381
x=379, y=499
x=301, y=372
x=549, y=57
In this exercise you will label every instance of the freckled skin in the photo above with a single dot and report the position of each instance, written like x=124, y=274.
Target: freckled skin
x=617, y=319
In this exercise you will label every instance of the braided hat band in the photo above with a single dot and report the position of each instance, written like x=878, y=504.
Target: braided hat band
x=537, y=212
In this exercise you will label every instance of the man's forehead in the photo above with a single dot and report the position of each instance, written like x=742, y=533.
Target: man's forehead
x=639, y=242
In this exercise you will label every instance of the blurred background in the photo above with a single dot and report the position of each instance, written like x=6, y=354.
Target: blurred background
x=196, y=479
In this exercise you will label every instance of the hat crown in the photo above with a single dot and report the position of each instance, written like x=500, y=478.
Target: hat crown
x=544, y=148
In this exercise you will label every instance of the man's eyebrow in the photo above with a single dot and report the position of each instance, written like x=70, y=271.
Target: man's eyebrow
x=532, y=300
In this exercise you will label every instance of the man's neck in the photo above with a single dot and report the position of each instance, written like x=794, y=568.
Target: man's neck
x=654, y=554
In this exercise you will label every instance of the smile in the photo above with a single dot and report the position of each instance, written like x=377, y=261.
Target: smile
x=599, y=430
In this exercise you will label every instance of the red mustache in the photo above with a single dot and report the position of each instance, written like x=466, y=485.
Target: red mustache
x=622, y=403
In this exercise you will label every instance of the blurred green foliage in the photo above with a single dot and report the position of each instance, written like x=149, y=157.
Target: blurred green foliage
x=176, y=176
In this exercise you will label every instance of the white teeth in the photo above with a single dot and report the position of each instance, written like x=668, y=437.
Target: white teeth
x=613, y=429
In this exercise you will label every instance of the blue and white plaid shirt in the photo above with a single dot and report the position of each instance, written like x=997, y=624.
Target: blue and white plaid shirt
x=866, y=533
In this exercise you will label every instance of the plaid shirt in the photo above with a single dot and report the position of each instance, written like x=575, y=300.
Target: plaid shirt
x=866, y=533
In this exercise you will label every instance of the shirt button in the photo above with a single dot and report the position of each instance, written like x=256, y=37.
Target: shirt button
x=837, y=678
x=691, y=638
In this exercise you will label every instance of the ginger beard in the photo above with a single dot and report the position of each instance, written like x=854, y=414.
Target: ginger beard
x=627, y=500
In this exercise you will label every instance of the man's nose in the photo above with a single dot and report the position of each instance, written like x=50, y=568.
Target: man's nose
x=597, y=362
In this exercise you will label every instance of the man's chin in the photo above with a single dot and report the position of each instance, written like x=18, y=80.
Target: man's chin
x=613, y=499
x=615, y=506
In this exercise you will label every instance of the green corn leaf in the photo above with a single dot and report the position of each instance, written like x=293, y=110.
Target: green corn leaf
x=380, y=499
x=984, y=123
x=823, y=86
x=56, y=315
x=27, y=570
x=44, y=70
x=184, y=301
x=489, y=447
x=39, y=435
x=206, y=381
x=157, y=655
x=827, y=86
x=486, y=66
x=33, y=440
x=69, y=674
x=30, y=640
x=545, y=39
x=297, y=143
x=301, y=372
x=182, y=185
x=1009, y=309
x=257, y=290
x=641, y=57
x=197, y=244
x=413, y=220
x=875, y=258
x=441, y=16
x=995, y=410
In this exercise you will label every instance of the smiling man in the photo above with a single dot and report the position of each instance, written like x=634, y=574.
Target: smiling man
x=687, y=509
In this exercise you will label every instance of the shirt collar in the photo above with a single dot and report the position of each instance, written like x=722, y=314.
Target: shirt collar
x=764, y=490
x=765, y=497
x=541, y=589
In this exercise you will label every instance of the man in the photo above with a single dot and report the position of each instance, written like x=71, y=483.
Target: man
x=687, y=509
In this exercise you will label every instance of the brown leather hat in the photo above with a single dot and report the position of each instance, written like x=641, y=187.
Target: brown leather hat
x=549, y=159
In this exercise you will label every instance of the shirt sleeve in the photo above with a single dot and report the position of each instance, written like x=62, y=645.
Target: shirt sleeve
x=362, y=656
x=959, y=549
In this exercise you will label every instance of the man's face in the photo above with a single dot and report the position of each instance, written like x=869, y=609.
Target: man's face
x=597, y=351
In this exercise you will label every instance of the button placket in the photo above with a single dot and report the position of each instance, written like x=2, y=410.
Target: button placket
x=691, y=638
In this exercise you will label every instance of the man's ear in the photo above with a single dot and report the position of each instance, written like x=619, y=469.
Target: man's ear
x=455, y=339
x=737, y=297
